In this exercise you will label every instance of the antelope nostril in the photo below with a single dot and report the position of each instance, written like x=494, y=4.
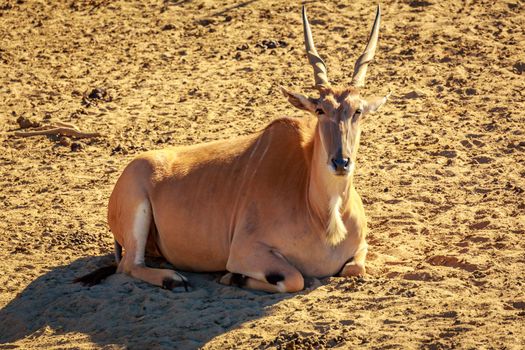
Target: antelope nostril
x=341, y=163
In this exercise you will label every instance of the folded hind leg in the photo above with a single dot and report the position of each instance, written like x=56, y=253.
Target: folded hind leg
x=136, y=231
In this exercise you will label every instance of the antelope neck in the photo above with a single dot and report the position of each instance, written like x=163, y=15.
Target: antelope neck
x=324, y=188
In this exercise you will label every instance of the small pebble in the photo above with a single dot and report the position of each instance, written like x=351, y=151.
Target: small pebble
x=76, y=147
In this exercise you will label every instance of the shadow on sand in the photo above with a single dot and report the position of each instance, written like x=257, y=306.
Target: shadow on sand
x=130, y=313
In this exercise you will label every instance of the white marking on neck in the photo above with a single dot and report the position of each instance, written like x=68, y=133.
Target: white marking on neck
x=336, y=230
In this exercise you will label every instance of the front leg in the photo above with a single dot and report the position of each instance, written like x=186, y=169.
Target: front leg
x=261, y=268
x=356, y=265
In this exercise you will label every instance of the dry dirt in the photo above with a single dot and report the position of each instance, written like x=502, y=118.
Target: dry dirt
x=441, y=168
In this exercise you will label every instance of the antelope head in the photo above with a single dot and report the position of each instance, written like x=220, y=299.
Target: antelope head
x=339, y=110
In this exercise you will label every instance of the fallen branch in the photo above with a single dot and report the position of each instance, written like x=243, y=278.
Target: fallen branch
x=58, y=128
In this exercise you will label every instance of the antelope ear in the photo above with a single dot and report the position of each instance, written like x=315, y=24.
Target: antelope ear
x=372, y=104
x=300, y=101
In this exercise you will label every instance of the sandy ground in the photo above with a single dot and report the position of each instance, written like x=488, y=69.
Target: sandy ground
x=441, y=168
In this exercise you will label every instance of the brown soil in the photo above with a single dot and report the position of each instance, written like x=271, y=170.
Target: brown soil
x=441, y=168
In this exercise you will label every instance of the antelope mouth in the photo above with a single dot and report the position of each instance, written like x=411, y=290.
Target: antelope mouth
x=340, y=172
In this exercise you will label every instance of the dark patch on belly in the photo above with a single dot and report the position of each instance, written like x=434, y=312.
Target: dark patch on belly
x=251, y=222
x=274, y=277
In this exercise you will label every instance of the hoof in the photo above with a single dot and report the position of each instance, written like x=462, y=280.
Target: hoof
x=170, y=283
x=233, y=279
x=310, y=283
x=353, y=270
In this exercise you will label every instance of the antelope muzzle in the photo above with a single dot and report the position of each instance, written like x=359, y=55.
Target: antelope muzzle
x=341, y=165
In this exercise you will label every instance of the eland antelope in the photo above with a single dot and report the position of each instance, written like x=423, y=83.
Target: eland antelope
x=270, y=208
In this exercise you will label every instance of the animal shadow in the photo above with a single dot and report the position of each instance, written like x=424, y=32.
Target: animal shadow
x=128, y=312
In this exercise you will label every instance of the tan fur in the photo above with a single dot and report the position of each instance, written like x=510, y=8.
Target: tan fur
x=218, y=206
x=269, y=208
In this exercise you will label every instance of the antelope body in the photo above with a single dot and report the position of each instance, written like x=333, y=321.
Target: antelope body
x=270, y=208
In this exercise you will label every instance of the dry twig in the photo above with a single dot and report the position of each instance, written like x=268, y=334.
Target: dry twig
x=58, y=128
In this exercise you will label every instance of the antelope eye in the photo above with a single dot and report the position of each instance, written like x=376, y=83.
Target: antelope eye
x=357, y=114
x=319, y=111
